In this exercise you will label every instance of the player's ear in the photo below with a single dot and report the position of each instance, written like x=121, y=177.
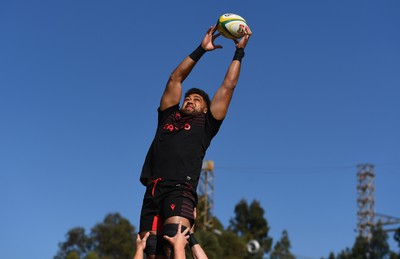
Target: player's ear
x=205, y=110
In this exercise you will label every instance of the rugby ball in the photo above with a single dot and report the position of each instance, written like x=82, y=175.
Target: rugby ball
x=231, y=25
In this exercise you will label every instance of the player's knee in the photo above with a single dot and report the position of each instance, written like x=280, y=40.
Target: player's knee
x=154, y=245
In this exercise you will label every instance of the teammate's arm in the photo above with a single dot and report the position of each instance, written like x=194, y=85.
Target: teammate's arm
x=198, y=252
x=195, y=248
x=173, y=90
x=222, y=98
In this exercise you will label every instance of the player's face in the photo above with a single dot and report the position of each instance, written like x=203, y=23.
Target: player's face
x=193, y=104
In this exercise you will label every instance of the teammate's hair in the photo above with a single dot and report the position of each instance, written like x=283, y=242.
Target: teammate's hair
x=201, y=93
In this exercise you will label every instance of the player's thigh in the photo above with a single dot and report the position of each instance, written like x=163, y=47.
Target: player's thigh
x=149, y=215
x=176, y=206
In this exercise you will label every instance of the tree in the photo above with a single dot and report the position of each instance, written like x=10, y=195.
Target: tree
x=379, y=246
x=232, y=247
x=376, y=248
x=397, y=236
x=114, y=238
x=72, y=255
x=282, y=248
x=217, y=225
x=360, y=248
x=345, y=254
x=77, y=244
x=239, y=224
x=249, y=224
x=91, y=255
x=209, y=243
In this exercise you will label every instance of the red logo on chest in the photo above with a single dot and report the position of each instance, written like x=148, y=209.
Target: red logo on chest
x=172, y=206
x=172, y=127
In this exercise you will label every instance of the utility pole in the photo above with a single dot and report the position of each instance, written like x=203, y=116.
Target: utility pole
x=205, y=210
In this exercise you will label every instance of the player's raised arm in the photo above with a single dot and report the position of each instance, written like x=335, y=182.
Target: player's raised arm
x=173, y=90
x=222, y=98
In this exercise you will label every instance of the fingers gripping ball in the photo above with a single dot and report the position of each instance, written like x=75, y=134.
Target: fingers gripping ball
x=231, y=25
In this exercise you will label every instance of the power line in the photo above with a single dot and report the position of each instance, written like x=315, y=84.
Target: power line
x=294, y=170
x=282, y=170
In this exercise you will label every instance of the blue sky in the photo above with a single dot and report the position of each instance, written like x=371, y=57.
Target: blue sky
x=80, y=83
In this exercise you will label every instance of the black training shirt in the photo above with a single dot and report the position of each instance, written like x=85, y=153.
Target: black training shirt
x=179, y=146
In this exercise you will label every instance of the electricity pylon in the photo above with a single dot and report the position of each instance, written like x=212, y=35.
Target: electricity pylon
x=367, y=217
x=205, y=210
x=365, y=200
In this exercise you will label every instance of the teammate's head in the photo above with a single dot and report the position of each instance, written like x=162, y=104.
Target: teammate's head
x=196, y=101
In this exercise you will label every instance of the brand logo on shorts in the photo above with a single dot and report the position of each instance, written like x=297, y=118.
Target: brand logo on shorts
x=172, y=206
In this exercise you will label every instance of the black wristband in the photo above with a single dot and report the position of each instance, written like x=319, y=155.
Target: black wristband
x=192, y=241
x=239, y=54
x=197, y=53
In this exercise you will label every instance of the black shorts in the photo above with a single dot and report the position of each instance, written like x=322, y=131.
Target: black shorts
x=164, y=199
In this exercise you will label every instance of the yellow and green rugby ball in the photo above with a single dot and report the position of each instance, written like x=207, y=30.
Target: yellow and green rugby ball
x=231, y=25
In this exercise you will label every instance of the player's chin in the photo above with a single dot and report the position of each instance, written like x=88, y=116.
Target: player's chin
x=189, y=112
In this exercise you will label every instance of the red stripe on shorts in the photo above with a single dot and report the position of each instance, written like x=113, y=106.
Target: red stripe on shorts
x=157, y=224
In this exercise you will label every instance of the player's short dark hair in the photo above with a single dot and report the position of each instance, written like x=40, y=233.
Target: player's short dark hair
x=201, y=93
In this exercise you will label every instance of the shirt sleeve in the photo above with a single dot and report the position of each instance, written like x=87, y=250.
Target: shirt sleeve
x=212, y=124
x=162, y=115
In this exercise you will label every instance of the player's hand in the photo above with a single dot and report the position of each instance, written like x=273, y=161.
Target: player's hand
x=179, y=241
x=208, y=42
x=246, y=36
x=141, y=242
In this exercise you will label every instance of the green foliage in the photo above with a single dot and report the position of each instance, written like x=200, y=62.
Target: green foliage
x=393, y=255
x=376, y=248
x=114, y=237
x=360, y=248
x=397, y=236
x=239, y=224
x=257, y=223
x=345, y=254
x=232, y=247
x=77, y=244
x=379, y=246
x=217, y=224
x=209, y=243
x=249, y=224
x=111, y=239
x=220, y=245
x=282, y=248
x=72, y=255
x=91, y=255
